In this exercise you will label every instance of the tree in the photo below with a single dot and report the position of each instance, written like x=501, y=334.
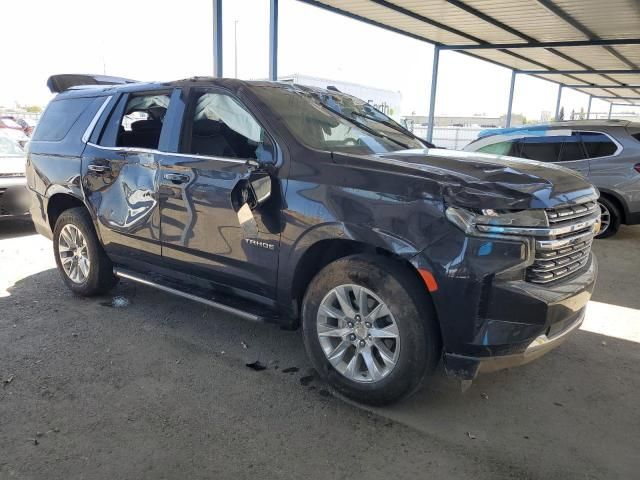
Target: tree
x=561, y=114
x=33, y=108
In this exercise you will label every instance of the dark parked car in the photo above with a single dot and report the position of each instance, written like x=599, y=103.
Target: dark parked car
x=606, y=152
x=14, y=200
x=303, y=206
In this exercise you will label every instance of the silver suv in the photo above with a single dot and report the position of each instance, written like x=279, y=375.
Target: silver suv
x=606, y=152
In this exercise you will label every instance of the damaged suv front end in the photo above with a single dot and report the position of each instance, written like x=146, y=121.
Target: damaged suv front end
x=513, y=283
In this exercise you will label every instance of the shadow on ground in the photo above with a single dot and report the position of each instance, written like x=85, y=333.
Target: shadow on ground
x=619, y=268
x=12, y=228
x=160, y=388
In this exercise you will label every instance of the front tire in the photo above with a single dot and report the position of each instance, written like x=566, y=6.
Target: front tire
x=82, y=262
x=370, y=329
x=610, y=218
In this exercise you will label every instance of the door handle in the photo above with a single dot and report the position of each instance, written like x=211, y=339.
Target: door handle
x=98, y=168
x=176, y=177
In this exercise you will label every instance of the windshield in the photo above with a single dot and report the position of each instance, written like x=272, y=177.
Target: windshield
x=364, y=113
x=335, y=128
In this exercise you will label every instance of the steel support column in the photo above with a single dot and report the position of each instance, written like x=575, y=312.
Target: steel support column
x=558, y=102
x=589, y=106
x=217, y=38
x=273, y=40
x=610, y=108
x=434, y=86
x=511, y=90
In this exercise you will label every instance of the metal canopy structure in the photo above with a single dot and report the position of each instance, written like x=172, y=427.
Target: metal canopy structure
x=592, y=46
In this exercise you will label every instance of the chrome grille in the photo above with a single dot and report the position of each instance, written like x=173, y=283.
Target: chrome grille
x=560, y=255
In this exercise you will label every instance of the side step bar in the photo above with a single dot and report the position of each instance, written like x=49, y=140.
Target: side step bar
x=119, y=272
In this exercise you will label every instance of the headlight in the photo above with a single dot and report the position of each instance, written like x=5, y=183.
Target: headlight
x=497, y=222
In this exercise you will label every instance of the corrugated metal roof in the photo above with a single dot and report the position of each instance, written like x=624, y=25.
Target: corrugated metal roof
x=516, y=35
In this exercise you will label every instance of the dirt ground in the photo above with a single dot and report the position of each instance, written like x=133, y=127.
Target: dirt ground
x=158, y=389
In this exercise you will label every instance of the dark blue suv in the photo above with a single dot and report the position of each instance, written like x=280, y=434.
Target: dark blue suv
x=302, y=206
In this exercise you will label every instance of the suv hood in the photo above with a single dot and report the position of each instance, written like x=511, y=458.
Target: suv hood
x=12, y=165
x=477, y=180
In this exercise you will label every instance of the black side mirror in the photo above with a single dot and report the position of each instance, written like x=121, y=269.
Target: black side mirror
x=259, y=189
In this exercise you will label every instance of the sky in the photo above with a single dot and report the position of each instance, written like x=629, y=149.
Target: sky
x=168, y=40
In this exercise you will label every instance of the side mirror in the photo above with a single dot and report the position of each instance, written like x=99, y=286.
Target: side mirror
x=259, y=189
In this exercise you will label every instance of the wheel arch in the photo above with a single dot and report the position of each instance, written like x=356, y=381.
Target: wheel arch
x=329, y=243
x=60, y=201
x=617, y=201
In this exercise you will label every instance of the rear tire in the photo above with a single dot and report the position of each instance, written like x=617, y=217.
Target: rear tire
x=87, y=270
x=399, y=365
x=610, y=215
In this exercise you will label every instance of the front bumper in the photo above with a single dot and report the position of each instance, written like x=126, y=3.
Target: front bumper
x=491, y=317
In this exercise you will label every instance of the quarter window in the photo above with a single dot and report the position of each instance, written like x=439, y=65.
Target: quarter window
x=598, y=144
x=59, y=117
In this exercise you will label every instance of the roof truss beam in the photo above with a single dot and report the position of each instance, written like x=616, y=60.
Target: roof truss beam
x=477, y=13
x=534, y=44
x=559, y=12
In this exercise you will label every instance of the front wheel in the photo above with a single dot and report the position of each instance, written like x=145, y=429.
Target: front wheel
x=609, y=218
x=81, y=260
x=369, y=329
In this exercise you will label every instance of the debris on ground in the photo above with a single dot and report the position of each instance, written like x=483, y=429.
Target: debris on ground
x=471, y=436
x=257, y=366
x=290, y=370
x=74, y=335
x=558, y=404
x=604, y=344
x=120, y=302
x=325, y=393
x=8, y=380
x=484, y=396
x=244, y=345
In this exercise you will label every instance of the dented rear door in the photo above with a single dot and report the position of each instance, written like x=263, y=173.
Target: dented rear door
x=120, y=185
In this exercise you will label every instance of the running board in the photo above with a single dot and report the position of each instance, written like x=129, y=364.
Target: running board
x=119, y=272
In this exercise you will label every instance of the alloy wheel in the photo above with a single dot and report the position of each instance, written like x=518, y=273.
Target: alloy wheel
x=358, y=333
x=74, y=254
x=605, y=218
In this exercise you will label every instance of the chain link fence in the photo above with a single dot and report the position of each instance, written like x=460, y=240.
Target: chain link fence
x=454, y=138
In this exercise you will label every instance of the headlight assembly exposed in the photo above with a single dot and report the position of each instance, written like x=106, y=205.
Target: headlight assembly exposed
x=497, y=222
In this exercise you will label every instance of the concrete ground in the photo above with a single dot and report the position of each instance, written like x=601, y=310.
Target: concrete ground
x=159, y=389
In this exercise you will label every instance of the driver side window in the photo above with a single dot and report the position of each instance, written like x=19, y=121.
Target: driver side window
x=222, y=127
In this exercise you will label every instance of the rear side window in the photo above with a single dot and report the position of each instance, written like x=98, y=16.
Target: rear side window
x=544, y=149
x=59, y=117
x=500, y=148
x=598, y=144
x=572, y=149
x=136, y=121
